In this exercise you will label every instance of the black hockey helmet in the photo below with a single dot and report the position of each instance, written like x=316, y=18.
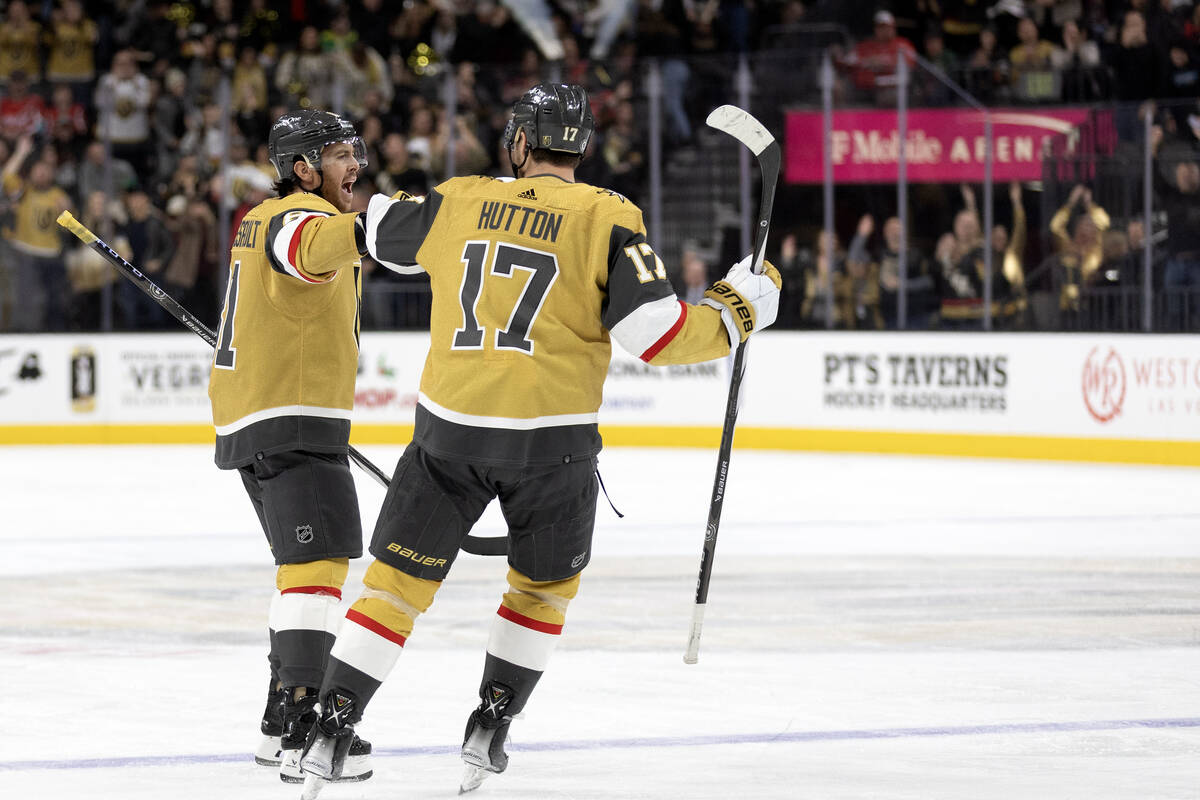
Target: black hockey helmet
x=304, y=134
x=555, y=117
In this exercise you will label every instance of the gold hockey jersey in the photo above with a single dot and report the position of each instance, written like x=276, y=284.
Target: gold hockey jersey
x=287, y=351
x=529, y=279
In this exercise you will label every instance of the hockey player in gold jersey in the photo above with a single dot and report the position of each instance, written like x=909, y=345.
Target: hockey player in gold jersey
x=282, y=390
x=530, y=278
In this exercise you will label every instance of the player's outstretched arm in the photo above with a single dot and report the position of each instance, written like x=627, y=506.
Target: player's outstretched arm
x=647, y=319
x=394, y=228
x=312, y=245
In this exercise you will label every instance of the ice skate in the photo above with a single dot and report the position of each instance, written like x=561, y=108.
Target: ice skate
x=483, y=741
x=298, y=713
x=269, y=752
x=332, y=752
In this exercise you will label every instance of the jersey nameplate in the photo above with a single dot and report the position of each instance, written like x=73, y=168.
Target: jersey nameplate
x=522, y=220
x=247, y=234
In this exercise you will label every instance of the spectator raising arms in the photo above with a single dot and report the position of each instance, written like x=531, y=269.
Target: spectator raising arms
x=41, y=276
x=1077, y=228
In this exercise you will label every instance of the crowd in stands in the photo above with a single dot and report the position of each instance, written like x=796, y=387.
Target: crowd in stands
x=148, y=120
x=1138, y=57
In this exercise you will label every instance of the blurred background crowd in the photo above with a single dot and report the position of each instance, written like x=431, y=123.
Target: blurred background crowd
x=148, y=119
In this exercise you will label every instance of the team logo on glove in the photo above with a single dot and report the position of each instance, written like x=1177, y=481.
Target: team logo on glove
x=742, y=311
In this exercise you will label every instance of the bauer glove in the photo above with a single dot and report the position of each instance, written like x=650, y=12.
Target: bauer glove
x=747, y=302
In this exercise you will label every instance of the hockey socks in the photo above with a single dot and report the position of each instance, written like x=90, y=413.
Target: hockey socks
x=303, y=617
x=373, y=634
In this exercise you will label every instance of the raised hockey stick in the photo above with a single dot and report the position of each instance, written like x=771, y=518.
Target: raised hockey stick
x=746, y=129
x=476, y=545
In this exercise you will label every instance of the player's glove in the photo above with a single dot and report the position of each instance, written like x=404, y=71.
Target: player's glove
x=747, y=302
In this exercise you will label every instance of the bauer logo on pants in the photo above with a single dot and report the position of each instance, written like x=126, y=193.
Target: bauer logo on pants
x=304, y=534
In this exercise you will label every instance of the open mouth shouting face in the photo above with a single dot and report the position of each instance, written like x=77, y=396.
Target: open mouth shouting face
x=339, y=166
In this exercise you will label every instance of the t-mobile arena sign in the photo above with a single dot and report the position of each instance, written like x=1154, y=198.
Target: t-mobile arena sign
x=942, y=145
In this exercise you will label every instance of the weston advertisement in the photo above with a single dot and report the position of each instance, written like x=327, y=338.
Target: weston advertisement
x=1060, y=385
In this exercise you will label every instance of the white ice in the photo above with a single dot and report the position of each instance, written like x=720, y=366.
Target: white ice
x=877, y=627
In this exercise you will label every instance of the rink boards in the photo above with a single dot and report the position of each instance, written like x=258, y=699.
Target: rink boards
x=1086, y=397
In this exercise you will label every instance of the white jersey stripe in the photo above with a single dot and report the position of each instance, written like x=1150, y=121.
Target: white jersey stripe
x=510, y=423
x=282, y=247
x=365, y=650
x=303, y=612
x=283, y=411
x=519, y=645
x=646, y=324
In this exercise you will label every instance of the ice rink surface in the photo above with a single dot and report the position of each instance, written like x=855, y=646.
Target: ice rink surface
x=878, y=627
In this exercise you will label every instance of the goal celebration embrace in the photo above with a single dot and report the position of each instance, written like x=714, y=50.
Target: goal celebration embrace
x=532, y=277
x=656, y=400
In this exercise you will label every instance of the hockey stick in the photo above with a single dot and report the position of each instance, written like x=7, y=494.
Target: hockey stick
x=750, y=132
x=476, y=545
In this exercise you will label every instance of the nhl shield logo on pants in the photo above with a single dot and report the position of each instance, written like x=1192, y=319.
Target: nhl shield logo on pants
x=304, y=534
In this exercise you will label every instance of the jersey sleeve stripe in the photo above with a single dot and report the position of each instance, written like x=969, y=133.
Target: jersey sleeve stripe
x=283, y=247
x=397, y=235
x=647, y=324
x=294, y=245
x=657, y=347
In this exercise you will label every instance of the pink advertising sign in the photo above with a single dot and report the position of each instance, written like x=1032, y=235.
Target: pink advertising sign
x=942, y=145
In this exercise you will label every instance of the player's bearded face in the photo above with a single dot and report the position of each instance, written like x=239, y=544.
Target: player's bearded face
x=340, y=170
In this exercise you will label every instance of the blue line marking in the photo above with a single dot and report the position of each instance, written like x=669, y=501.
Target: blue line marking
x=649, y=741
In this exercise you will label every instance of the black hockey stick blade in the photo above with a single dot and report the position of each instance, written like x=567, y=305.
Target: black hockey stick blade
x=476, y=545
x=749, y=131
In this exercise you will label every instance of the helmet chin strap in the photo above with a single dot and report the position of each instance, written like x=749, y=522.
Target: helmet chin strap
x=320, y=176
x=516, y=168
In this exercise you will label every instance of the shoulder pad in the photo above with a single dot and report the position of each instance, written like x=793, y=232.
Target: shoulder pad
x=403, y=195
x=617, y=195
x=618, y=208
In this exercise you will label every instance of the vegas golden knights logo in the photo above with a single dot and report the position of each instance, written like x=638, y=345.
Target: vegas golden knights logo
x=83, y=380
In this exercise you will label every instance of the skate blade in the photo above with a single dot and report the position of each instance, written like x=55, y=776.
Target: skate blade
x=472, y=777
x=268, y=753
x=289, y=767
x=312, y=787
x=356, y=769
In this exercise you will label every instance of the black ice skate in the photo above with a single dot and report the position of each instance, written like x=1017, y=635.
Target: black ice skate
x=269, y=750
x=483, y=742
x=299, y=715
x=333, y=753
